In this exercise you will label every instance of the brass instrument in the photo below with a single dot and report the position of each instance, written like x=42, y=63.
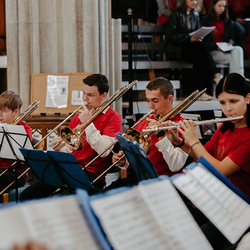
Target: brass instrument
x=67, y=132
x=52, y=131
x=131, y=134
x=137, y=136
x=33, y=106
x=72, y=137
x=197, y=123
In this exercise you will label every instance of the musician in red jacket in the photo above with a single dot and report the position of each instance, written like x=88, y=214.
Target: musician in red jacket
x=10, y=104
x=97, y=136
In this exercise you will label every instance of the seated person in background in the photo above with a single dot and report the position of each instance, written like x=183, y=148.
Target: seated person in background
x=165, y=7
x=99, y=135
x=10, y=104
x=218, y=16
x=167, y=158
x=238, y=12
x=229, y=148
x=181, y=46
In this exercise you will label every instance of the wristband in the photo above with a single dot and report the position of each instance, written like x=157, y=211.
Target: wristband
x=192, y=146
x=180, y=145
x=160, y=133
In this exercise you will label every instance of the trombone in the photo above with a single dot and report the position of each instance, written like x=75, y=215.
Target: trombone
x=30, y=109
x=72, y=136
x=135, y=135
x=21, y=117
x=23, y=173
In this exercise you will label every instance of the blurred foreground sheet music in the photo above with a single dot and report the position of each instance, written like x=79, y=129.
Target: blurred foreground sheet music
x=151, y=216
x=60, y=223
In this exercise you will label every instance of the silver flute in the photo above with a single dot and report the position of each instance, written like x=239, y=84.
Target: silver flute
x=177, y=125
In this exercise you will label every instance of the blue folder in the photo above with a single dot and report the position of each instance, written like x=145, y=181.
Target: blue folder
x=57, y=169
x=138, y=158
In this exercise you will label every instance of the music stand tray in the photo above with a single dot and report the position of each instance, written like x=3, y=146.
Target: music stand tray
x=138, y=158
x=57, y=169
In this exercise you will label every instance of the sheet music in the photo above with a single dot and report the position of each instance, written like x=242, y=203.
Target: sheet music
x=13, y=136
x=57, y=222
x=226, y=210
x=225, y=46
x=147, y=216
x=202, y=32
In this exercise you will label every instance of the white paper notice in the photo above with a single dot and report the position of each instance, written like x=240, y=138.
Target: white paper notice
x=57, y=91
x=76, y=97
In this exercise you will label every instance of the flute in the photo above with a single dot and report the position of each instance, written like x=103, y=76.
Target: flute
x=177, y=125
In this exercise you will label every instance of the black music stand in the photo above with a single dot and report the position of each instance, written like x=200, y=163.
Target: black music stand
x=57, y=169
x=13, y=137
x=138, y=158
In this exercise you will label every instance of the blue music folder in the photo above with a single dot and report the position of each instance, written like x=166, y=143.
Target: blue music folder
x=138, y=158
x=57, y=169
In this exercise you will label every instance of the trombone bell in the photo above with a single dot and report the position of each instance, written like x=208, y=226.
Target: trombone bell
x=134, y=135
x=71, y=138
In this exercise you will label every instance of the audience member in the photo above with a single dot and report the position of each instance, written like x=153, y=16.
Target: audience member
x=180, y=45
x=165, y=8
x=238, y=11
x=218, y=16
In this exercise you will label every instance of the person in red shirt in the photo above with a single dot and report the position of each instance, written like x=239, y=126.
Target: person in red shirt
x=98, y=135
x=218, y=17
x=167, y=158
x=10, y=104
x=229, y=148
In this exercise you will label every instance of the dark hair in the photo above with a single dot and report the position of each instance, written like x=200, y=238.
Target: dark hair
x=212, y=14
x=165, y=86
x=10, y=100
x=183, y=6
x=234, y=83
x=98, y=80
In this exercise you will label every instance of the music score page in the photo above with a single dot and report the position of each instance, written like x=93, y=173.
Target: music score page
x=226, y=210
x=147, y=217
x=59, y=223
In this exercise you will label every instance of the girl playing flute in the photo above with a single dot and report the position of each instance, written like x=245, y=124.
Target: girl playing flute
x=229, y=148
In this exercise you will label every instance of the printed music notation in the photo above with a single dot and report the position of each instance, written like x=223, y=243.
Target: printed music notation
x=226, y=210
x=147, y=216
x=58, y=223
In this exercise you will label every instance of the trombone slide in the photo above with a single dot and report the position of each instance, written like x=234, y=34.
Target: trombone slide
x=177, y=125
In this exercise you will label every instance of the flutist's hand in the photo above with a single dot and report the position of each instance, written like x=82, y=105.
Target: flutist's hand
x=189, y=132
x=84, y=113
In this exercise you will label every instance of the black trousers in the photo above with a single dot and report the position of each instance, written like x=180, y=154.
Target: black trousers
x=40, y=190
x=204, y=68
x=8, y=177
